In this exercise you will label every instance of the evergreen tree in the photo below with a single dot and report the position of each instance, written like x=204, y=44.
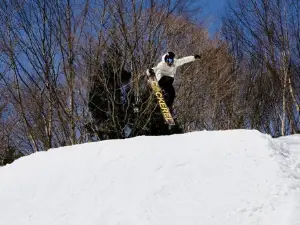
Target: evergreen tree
x=110, y=97
x=9, y=156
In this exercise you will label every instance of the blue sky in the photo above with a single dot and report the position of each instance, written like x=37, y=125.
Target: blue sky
x=212, y=9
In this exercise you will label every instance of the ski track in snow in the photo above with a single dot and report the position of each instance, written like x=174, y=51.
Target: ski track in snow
x=233, y=177
x=289, y=148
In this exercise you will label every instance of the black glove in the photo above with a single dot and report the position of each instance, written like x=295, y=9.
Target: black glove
x=150, y=72
x=197, y=56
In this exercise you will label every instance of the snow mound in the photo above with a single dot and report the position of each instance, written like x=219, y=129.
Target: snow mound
x=209, y=177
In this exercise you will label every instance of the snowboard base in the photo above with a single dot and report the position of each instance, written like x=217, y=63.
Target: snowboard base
x=161, y=102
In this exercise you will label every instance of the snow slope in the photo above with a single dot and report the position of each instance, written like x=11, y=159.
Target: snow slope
x=210, y=178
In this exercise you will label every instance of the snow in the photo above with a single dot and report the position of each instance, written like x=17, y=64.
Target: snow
x=209, y=177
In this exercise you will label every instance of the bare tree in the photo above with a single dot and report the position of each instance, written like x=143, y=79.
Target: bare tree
x=141, y=32
x=53, y=54
x=262, y=36
x=38, y=54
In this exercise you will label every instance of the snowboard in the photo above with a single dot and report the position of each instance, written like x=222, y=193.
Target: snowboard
x=168, y=118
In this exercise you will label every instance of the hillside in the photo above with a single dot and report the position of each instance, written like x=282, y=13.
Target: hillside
x=208, y=177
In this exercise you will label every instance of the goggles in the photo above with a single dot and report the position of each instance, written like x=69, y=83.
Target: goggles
x=170, y=60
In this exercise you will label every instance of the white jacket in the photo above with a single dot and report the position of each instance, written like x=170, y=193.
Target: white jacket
x=162, y=69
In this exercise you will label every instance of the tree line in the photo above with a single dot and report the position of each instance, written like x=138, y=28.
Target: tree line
x=73, y=72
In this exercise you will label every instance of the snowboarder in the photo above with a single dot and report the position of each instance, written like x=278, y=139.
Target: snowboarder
x=165, y=72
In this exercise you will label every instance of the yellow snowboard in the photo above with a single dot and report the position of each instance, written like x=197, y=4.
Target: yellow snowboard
x=161, y=102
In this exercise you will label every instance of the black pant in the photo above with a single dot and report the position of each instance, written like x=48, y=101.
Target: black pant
x=166, y=84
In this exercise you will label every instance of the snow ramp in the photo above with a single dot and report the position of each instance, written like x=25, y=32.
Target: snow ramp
x=235, y=177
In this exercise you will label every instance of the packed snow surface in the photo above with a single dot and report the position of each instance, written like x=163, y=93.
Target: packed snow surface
x=236, y=177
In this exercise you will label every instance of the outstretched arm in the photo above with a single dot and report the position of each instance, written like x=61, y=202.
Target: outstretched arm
x=186, y=59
